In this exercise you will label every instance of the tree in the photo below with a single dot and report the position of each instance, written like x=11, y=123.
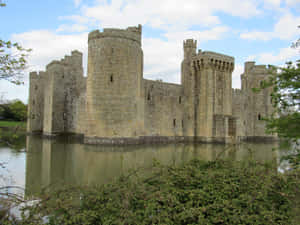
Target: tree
x=14, y=110
x=12, y=60
x=19, y=110
x=285, y=120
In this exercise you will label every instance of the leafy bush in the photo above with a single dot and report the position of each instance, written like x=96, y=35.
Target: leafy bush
x=220, y=192
x=15, y=110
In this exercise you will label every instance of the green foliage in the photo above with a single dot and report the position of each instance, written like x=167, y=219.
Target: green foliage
x=15, y=139
x=220, y=192
x=15, y=110
x=18, y=110
x=12, y=61
x=285, y=121
x=2, y=4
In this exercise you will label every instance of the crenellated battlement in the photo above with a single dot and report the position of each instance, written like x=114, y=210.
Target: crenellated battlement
x=251, y=68
x=190, y=43
x=37, y=75
x=130, y=33
x=75, y=60
x=213, y=60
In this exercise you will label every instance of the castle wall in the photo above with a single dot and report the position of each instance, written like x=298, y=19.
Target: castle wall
x=114, y=101
x=257, y=104
x=54, y=99
x=213, y=94
x=54, y=96
x=189, y=91
x=74, y=85
x=36, y=102
x=238, y=111
x=114, y=104
x=163, y=109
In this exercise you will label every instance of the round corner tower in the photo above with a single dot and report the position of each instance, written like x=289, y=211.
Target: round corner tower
x=114, y=105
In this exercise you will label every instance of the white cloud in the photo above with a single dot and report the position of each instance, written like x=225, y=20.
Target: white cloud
x=285, y=29
x=284, y=55
x=77, y=2
x=47, y=46
x=71, y=28
x=162, y=13
x=257, y=35
x=165, y=63
x=292, y=2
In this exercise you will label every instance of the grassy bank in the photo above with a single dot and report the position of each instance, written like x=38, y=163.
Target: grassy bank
x=220, y=192
x=13, y=124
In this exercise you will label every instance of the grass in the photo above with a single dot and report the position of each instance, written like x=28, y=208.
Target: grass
x=12, y=124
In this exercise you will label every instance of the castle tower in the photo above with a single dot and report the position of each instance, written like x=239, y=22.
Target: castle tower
x=62, y=89
x=213, y=93
x=258, y=105
x=54, y=99
x=114, y=101
x=36, y=102
x=187, y=81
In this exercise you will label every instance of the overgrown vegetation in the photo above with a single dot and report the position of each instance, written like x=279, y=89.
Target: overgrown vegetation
x=14, y=110
x=285, y=121
x=219, y=192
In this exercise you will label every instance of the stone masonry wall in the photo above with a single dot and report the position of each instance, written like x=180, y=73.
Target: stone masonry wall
x=36, y=102
x=257, y=104
x=114, y=101
x=163, y=109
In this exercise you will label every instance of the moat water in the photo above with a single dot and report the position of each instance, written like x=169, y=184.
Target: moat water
x=41, y=163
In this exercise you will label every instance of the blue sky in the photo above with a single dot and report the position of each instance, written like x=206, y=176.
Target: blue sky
x=256, y=30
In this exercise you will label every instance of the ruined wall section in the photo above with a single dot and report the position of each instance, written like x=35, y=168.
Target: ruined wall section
x=74, y=86
x=257, y=104
x=62, y=91
x=163, y=109
x=114, y=101
x=36, y=102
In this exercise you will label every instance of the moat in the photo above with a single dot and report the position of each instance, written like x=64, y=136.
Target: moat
x=47, y=163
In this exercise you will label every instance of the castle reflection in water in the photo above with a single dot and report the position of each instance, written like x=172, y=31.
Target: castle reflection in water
x=52, y=162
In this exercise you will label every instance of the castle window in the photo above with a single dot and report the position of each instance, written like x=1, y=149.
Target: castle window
x=148, y=97
x=179, y=100
x=259, y=116
x=35, y=87
x=182, y=123
x=33, y=102
x=174, y=122
x=32, y=116
x=111, y=78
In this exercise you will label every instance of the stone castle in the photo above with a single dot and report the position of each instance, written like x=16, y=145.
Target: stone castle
x=114, y=104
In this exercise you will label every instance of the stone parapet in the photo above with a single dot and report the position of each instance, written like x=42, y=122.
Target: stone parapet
x=131, y=33
x=213, y=60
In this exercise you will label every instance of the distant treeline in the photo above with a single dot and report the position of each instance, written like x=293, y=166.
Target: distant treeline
x=14, y=110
